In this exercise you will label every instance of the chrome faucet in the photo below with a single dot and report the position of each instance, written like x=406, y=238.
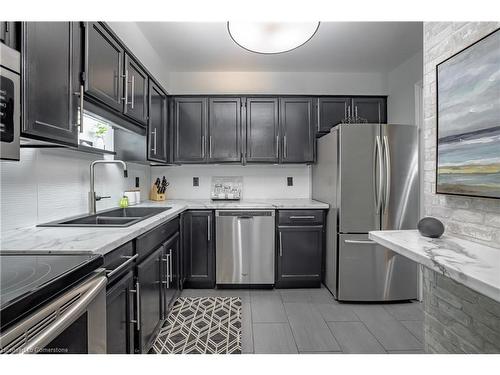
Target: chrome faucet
x=93, y=198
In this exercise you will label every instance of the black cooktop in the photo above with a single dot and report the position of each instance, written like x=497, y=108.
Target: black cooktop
x=29, y=280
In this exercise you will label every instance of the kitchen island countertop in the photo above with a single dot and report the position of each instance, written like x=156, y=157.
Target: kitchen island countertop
x=469, y=263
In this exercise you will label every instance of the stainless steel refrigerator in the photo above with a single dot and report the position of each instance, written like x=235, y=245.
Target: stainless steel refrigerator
x=368, y=173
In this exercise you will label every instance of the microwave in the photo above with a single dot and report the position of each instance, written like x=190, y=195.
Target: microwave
x=10, y=101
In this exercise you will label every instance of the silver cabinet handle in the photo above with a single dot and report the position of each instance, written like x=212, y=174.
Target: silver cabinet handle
x=170, y=266
x=318, y=112
x=125, y=98
x=209, y=228
x=361, y=242
x=379, y=117
x=165, y=260
x=137, y=292
x=285, y=148
x=203, y=146
x=277, y=146
x=210, y=146
x=132, y=89
x=281, y=245
x=80, y=115
x=129, y=260
x=345, y=109
x=356, y=111
x=387, y=157
x=303, y=217
x=378, y=196
x=153, y=133
x=168, y=271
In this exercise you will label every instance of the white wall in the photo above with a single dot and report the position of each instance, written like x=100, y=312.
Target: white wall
x=259, y=181
x=51, y=184
x=135, y=40
x=401, y=89
x=307, y=83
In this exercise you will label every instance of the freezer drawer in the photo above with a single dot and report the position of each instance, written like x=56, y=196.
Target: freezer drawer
x=244, y=247
x=371, y=272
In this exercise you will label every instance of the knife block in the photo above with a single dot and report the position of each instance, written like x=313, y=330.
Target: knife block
x=154, y=196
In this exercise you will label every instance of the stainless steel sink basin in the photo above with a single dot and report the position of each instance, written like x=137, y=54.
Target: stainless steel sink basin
x=116, y=217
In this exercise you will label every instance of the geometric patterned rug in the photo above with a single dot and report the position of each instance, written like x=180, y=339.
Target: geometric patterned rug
x=202, y=325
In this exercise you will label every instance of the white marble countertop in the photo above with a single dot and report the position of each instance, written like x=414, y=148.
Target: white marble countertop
x=469, y=263
x=102, y=240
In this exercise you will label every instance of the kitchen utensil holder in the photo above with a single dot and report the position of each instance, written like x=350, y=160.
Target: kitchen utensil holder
x=155, y=196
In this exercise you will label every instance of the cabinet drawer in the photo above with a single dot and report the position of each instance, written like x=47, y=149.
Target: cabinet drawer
x=116, y=258
x=150, y=240
x=301, y=217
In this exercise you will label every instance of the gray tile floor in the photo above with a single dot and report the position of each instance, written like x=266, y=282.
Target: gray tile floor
x=311, y=321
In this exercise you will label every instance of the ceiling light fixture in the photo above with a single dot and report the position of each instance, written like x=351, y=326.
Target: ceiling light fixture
x=271, y=37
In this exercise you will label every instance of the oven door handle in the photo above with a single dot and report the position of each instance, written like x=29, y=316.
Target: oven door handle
x=86, y=292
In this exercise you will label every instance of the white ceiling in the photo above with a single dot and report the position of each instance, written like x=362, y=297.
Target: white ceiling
x=336, y=47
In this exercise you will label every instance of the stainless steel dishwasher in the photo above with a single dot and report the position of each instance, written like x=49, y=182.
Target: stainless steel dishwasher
x=244, y=246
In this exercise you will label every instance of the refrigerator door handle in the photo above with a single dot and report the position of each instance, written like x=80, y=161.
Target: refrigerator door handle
x=377, y=170
x=387, y=157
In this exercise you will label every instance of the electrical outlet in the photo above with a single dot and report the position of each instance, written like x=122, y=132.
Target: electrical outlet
x=196, y=181
x=137, y=184
x=289, y=181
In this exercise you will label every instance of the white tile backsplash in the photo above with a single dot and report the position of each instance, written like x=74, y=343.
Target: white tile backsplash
x=259, y=181
x=51, y=184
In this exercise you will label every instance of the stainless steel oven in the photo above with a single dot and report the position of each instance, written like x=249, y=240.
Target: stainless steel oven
x=10, y=100
x=73, y=322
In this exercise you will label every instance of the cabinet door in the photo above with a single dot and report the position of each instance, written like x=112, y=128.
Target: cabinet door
x=8, y=34
x=300, y=251
x=190, y=128
x=198, y=249
x=149, y=279
x=297, y=130
x=224, y=131
x=157, y=138
x=51, y=69
x=262, y=130
x=104, y=66
x=135, y=104
x=119, y=313
x=372, y=109
x=170, y=273
x=331, y=111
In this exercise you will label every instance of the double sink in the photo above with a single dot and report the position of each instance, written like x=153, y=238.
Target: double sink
x=116, y=217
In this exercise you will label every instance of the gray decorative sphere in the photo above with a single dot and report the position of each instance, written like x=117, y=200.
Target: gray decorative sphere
x=430, y=227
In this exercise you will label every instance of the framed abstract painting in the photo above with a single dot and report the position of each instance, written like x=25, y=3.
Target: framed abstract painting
x=468, y=120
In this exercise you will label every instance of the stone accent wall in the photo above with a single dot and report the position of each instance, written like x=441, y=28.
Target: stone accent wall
x=458, y=319
x=473, y=218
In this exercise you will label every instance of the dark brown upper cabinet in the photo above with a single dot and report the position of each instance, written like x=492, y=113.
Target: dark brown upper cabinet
x=157, y=128
x=9, y=34
x=371, y=109
x=104, y=66
x=224, y=130
x=135, y=104
x=330, y=112
x=262, y=130
x=51, y=66
x=297, y=130
x=190, y=129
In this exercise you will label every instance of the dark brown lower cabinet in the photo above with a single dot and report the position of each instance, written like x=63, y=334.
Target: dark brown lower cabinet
x=119, y=316
x=150, y=308
x=299, y=256
x=171, y=278
x=198, y=249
